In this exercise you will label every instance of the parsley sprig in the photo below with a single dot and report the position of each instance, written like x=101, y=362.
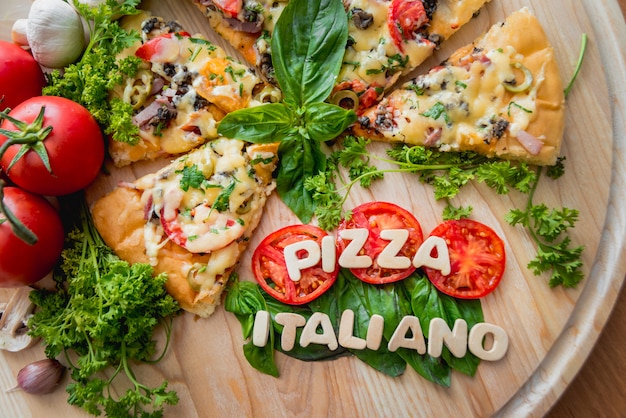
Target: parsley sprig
x=447, y=172
x=89, y=80
x=546, y=227
x=102, y=317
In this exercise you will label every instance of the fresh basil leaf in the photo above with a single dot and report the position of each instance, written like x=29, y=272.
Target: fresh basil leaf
x=299, y=160
x=391, y=302
x=455, y=309
x=308, y=44
x=260, y=124
x=325, y=121
x=245, y=299
x=313, y=352
x=261, y=358
x=428, y=303
x=353, y=296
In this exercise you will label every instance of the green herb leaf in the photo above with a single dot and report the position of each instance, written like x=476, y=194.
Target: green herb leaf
x=104, y=313
x=325, y=121
x=299, y=160
x=261, y=124
x=308, y=45
x=222, y=201
x=191, y=177
x=90, y=80
x=244, y=299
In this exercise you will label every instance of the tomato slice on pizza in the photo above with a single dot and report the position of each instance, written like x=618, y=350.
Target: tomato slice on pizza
x=386, y=39
x=499, y=96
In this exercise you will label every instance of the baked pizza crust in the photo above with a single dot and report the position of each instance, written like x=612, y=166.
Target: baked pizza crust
x=522, y=31
x=120, y=218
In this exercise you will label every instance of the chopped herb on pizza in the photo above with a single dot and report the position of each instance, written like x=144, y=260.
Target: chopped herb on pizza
x=386, y=39
x=192, y=219
x=183, y=88
x=501, y=96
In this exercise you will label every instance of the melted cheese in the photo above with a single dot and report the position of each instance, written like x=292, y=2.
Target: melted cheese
x=200, y=84
x=205, y=214
x=456, y=107
x=373, y=58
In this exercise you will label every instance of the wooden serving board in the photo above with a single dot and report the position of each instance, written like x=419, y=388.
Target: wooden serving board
x=551, y=331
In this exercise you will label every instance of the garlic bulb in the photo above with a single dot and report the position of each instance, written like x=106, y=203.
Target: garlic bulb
x=55, y=33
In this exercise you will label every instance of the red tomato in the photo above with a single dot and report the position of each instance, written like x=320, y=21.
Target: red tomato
x=476, y=259
x=231, y=8
x=404, y=18
x=22, y=264
x=375, y=217
x=75, y=147
x=270, y=269
x=160, y=49
x=20, y=76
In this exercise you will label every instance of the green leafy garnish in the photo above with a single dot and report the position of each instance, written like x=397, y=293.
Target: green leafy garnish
x=192, y=176
x=546, y=227
x=438, y=110
x=413, y=296
x=446, y=171
x=308, y=45
x=102, y=316
x=90, y=80
x=579, y=64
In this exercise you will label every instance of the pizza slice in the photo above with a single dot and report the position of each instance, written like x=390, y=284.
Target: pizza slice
x=501, y=96
x=192, y=219
x=184, y=87
x=387, y=39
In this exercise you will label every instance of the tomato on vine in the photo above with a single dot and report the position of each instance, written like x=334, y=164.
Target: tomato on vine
x=24, y=263
x=21, y=76
x=50, y=146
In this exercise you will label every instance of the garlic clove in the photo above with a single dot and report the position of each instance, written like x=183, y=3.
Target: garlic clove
x=18, y=32
x=40, y=377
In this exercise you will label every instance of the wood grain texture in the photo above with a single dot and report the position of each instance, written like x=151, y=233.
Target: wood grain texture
x=599, y=389
x=551, y=331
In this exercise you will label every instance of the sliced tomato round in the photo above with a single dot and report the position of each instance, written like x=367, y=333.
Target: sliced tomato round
x=376, y=217
x=477, y=259
x=231, y=8
x=161, y=48
x=270, y=268
x=404, y=18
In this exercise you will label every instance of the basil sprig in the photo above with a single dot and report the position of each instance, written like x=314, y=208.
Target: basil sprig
x=308, y=45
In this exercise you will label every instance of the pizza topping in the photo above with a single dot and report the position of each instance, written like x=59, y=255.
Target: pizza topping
x=512, y=86
x=464, y=106
x=361, y=18
x=205, y=201
x=405, y=18
x=530, y=143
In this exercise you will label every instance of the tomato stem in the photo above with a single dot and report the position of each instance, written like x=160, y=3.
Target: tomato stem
x=19, y=229
x=31, y=136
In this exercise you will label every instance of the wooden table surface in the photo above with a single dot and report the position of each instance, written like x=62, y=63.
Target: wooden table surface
x=599, y=390
x=600, y=387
